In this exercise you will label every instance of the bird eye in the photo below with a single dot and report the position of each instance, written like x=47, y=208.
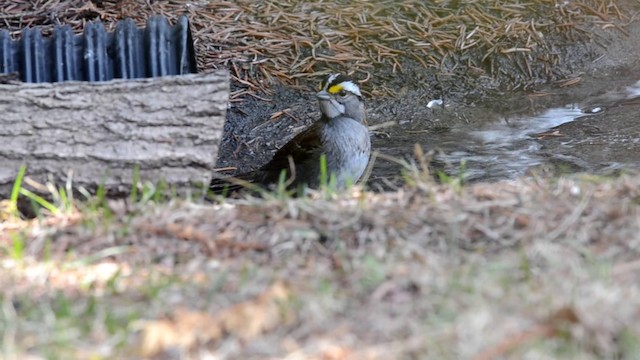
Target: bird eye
x=342, y=93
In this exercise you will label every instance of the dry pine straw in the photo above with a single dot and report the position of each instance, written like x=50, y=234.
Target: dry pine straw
x=289, y=40
x=481, y=216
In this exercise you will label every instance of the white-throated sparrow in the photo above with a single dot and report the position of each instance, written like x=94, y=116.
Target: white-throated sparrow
x=341, y=134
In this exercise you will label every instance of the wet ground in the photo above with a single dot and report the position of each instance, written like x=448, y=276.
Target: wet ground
x=588, y=124
x=594, y=127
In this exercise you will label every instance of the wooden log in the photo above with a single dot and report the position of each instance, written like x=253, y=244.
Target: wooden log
x=168, y=127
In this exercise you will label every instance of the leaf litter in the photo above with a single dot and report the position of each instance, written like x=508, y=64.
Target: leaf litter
x=534, y=267
x=439, y=271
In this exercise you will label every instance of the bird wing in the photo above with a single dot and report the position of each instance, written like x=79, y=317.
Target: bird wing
x=301, y=148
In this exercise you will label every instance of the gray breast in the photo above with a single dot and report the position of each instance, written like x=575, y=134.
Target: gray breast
x=347, y=145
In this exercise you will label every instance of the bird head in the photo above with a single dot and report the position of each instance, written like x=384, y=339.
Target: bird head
x=340, y=96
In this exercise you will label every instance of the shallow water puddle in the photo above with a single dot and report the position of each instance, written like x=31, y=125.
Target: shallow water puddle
x=633, y=91
x=508, y=146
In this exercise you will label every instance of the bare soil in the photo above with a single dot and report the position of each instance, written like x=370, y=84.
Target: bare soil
x=586, y=72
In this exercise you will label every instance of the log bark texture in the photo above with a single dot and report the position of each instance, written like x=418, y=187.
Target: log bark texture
x=170, y=127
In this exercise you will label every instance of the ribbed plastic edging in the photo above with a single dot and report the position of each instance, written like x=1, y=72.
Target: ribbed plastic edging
x=128, y=52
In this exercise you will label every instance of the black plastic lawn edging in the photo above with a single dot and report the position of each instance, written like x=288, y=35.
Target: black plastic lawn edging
x=128, y=52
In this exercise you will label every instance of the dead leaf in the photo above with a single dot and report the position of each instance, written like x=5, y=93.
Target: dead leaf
x=186, y=329
x=250, y=319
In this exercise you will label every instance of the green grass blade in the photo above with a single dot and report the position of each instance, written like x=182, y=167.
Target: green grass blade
x=324, y=176
x=64, y=199
x=17, y=246
x=161, y=190
x=282, y=184
x=134, y=184
x=40, y=201
x=101, y=195
x=17, y=185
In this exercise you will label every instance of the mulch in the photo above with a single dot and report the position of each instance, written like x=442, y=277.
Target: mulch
x=289, y=41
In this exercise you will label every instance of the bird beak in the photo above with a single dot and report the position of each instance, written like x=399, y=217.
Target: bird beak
x=323, y=95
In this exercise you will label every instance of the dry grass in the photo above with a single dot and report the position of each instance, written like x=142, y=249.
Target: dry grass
x=532, y=267
x=286, y=40
x=482, y=217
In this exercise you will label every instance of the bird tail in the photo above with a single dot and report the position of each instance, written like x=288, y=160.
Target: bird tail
x=227, y=185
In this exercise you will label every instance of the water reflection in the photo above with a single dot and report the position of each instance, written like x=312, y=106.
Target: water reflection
x=489, y=150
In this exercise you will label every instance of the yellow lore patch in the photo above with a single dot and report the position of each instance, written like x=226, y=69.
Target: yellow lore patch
x=335, y=89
